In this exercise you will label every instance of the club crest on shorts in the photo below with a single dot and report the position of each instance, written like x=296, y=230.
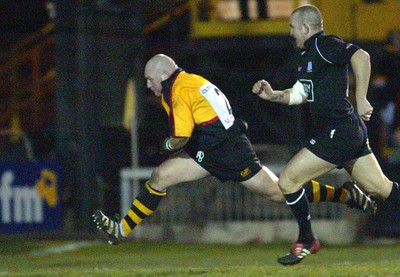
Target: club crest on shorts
x=245, y=172
x=200, y=156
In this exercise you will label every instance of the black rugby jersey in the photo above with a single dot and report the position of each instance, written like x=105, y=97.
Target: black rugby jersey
x=323, y=71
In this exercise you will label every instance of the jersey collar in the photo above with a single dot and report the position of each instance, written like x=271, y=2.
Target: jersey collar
x=311, y=39
x=166, y=85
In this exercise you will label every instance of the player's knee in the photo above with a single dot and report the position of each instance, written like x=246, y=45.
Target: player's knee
x=287, y=184
x=284, y=187
x=277, y=197
x=161, y=179
x=272, y=192
x=157, y=178
x=155, y=175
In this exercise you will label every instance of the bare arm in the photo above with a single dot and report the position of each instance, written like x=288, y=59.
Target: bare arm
x=178, y=142
x=264, y=90
x=292, y=96
x=173, y=144
x=360, y=62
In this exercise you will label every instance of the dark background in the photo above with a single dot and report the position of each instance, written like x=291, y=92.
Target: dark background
x=19, y=19
x=99, y=46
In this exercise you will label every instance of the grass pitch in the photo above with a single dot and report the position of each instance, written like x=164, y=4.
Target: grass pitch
x=19, y=257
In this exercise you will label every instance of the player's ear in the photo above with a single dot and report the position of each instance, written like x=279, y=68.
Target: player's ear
x=306, y=28
x=165, y=75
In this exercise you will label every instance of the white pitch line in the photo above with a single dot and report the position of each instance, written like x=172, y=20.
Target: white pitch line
x=68, y=247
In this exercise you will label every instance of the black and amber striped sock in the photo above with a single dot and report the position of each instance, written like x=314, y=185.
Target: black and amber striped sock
x=316, y=193
x=144, y=205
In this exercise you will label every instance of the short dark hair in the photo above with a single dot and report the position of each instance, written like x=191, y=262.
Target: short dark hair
x=309, y=14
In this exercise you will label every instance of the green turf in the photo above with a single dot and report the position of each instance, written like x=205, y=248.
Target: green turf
x=94, y=258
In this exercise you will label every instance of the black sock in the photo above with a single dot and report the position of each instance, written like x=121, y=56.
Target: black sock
x=298, y=203
x=394, y=197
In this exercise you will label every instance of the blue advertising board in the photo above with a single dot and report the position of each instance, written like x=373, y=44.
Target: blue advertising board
x=29, y=197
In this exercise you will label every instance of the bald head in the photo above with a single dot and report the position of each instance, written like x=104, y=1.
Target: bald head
x=309, y=14
x=161, y=64
x=159, y=68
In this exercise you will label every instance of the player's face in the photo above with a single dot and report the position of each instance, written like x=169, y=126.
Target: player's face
x=297, y=31
x=153, y=82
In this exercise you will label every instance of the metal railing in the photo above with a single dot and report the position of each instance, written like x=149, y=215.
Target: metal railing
x=27, y=77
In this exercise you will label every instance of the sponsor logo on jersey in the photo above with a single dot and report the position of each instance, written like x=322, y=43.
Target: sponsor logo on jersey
x=308, y=89
x=206, y=88
x=245, y=172
x=309, y=67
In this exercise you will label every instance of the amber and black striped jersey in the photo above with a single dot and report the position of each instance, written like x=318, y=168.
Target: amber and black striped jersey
x=199, y=110
x=191, y=101
x=323, y=71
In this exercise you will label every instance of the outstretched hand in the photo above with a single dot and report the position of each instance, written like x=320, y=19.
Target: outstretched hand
x=263, y=89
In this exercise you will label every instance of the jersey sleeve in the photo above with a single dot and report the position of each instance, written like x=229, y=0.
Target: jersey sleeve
x=334, y=50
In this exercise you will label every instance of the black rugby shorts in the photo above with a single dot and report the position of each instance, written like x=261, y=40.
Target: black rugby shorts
x=234, y=159
x=341, y=140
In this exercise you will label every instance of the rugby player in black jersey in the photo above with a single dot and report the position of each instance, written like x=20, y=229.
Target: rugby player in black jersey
x=338, y=134
x=206, y=139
